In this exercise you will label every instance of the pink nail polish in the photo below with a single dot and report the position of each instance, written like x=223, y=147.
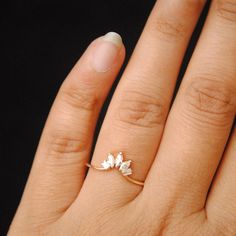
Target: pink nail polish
x=106, y=52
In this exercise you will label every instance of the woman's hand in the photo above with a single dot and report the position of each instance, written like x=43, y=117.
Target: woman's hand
x=182, y=154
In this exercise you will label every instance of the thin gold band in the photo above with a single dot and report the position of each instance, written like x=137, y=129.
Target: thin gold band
x=124, y=167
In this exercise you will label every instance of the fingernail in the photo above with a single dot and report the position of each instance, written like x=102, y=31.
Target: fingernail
x=106, y=52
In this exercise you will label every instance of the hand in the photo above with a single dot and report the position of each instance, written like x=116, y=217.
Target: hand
x=181, y=154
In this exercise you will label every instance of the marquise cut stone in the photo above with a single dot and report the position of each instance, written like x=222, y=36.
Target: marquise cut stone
x=125, y=165
x=106, y=165
x=127, y=172
x=124, y=168
x=111, y=160
x=119, y=159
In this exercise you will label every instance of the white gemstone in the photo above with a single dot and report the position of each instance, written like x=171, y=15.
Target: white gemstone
x=125, y=165
x=127, y=172
x=111, y=160
x=119, y=159
x=106, y=165
x=124, y=168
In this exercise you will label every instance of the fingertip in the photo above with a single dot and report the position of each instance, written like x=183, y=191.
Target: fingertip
x=106, y=52
x=114, y=38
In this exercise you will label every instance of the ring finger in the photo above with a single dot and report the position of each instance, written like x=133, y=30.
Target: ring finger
x=136, y=116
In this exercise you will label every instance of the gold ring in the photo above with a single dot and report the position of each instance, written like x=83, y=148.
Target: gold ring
x=117, y=163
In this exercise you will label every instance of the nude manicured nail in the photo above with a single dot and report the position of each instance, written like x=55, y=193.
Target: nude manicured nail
x=106, y=52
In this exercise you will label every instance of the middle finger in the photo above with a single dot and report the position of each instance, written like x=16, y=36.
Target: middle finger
x=201, y=117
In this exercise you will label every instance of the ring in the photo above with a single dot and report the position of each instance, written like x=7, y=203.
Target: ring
x=117, y=163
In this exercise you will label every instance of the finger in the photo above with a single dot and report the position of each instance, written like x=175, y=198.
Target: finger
x=136, y=116
x=199, y=123
x=221, y=204
x=59, y=167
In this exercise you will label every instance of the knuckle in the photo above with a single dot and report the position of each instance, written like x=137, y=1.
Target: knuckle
x=169, y=29
x=226, y=9
x=136, y=108
x=211, y=101
x=60, y=144
x=167, y=26
x=79, y=98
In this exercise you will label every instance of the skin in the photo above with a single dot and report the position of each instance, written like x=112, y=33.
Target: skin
x=186, y=155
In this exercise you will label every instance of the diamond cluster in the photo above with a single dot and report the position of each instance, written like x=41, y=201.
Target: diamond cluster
x=112, y=162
